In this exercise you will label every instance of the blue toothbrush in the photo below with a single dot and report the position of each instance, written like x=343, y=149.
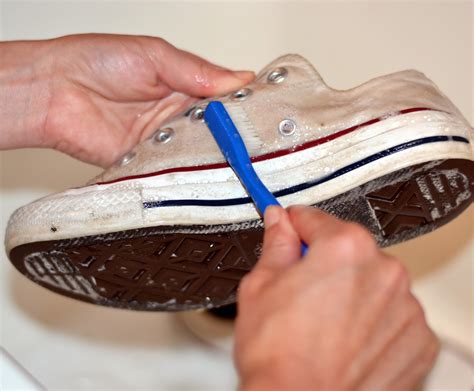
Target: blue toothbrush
x=232, y=146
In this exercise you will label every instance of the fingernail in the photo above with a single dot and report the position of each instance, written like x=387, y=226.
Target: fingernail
x=272, y=216
x=245, y=75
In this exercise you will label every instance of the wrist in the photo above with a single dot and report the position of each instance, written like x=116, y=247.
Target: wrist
x=25, y=91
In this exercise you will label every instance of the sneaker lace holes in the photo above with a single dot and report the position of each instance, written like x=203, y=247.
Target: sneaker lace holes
x=127, y=158
x=162, y=136
x=241, y=94
x=197, y=114
x=277, y=75
x=287, y=127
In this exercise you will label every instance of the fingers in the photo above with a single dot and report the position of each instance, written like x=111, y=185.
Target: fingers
x=185, y=72
x=311, y=222
x=281, y=244
x=407, y=358
x=419, y=367
x=281, y=249
x=385, y=311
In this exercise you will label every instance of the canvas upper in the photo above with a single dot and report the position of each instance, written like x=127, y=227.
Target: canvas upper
x=287, y=108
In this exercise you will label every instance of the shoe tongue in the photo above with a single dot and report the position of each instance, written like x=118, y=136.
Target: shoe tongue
x=301, y=70
x=279, y=89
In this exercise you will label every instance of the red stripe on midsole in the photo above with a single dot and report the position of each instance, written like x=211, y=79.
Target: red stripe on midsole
x=270, y=155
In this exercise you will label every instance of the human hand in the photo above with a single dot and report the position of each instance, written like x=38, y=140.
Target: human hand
x=95, y=96
x=341, y=318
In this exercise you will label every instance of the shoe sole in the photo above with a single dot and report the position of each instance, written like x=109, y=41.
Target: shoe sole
x=172, y=268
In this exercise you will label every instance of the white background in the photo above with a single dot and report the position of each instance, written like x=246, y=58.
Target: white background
x=71, y=345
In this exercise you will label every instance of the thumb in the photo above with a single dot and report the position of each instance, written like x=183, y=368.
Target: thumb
x=281, y=244
x=187, y=73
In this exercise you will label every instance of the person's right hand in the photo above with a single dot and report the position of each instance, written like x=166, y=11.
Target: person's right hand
x=343, y=317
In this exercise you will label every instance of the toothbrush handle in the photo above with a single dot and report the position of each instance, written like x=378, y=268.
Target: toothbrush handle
x=263, y=198
x=263, y=201
x=231, y=144
x=304, y=249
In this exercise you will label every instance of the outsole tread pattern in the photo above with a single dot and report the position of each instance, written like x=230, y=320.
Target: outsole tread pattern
x=181, y=268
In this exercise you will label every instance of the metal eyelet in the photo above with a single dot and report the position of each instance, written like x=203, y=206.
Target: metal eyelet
x=162, y=136
x=127, y=158
x=287, y=127
x=241, y=94
x=277, y=75
x=197, y=114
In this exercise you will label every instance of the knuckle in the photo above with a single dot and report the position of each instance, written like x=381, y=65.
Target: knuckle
x=158, y=44
x=361, y=236
x=205, y=74
x=273, y=232
x=250, y=285
x=396, y=275
x=343, y=243
x=161, y=41
x=275, y=237
x=413, y=312
x=430, y=352
x=352, y=239
x=434, y=349
x=157, y=41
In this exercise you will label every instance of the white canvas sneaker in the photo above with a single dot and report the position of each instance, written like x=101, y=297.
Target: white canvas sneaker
x=169, y=227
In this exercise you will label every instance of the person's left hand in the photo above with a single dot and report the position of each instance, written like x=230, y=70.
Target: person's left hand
x=95, y=96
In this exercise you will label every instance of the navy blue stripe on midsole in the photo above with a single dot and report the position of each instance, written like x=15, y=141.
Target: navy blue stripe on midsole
x=315, y=182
